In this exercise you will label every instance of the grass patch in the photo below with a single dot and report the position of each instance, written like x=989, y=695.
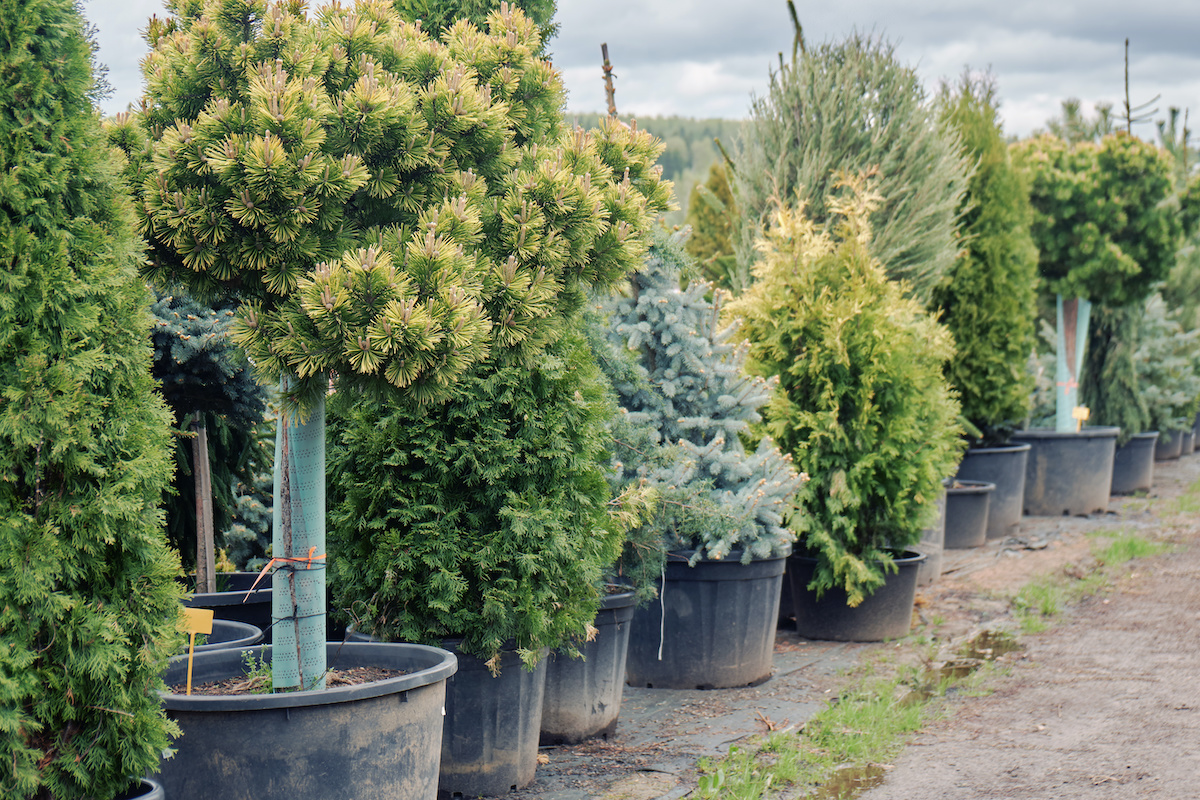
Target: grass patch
x=1189, y=501
x=1043, y=599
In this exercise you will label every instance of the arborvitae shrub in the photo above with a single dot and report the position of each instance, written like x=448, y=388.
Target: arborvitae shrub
x=88, y=601
x=862, y=403
x=688, y=389
x=486, y=517
x=852, y=106
x=988, y=296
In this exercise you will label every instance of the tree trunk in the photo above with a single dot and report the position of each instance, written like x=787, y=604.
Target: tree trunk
x=206, y=578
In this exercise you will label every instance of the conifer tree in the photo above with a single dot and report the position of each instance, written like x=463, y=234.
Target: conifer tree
x=690, y=389
x=988, y=298
x=391, y=209
x=862, y=403
x=851, y=106
x=712, y=214
x=1168, y=364
x=88, y=601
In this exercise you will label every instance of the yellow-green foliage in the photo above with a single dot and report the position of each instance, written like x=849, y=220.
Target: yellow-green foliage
x=862, y=403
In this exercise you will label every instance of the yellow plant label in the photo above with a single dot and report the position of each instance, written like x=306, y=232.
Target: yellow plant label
x=197, y=620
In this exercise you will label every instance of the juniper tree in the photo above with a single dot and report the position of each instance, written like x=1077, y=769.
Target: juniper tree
x=851, y=106
x=390, y=208
x=207, y=384
x=689, y=389
x=88, y=602
x=862, y=403
x=988, y=297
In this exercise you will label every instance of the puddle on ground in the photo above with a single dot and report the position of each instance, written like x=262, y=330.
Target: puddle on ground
x=990, y=645
x=849, y=783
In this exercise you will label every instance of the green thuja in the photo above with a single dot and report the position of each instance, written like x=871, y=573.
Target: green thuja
x=88, y=601
x=712, y=214
x=988, y=297
x=689, y=392
x=852, y=106
x=487, y=517
x=862, y=403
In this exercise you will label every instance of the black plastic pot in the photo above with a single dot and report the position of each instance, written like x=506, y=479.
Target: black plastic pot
x=1133, y=464
x=931, y=545
x=373, y=741
x=885, y=614
x=233, y=602
x=1189, y=442
x=145, y=790
x=583, y=695
x=1003, y=466
x=1169, y=447
x=1068, y=473
x=712, y=626
x=490, y=743
x=967, y=505
x=227, y=634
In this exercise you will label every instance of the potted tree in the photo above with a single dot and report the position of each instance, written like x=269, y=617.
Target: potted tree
x=987, y=301
x=389, y=208
x=88, y=599
x=1167, y=369
x=863, y=407
x=724, y=510
x=1105, y=234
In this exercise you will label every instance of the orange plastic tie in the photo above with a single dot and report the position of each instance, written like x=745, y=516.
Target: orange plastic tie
x=306, y=560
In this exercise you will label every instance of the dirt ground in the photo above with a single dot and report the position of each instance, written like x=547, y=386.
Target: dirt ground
x=1105, y=704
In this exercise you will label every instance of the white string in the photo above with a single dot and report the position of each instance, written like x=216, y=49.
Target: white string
x=662, y=604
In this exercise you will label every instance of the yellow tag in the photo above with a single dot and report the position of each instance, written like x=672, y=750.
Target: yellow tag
x=197, y=620
x=1080, y=414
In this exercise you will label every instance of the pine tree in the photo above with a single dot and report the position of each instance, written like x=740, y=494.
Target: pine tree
x=393, y=210
x=862, y=404
x=690, y=389
x=88, y=601
x=989, y=296
x=851, y=106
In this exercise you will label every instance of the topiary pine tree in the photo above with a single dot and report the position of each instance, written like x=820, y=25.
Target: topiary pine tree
x=207, y=383
x=390, y=208
x=436, y=16
x=88, y=601
x=852, y=106
x=988, y=298
x=1106, y=231
x=691, y=391
x=862, y=402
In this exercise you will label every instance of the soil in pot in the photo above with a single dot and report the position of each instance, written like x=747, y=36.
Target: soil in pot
x=712, y=626
x=967, y=505
x=885, y=614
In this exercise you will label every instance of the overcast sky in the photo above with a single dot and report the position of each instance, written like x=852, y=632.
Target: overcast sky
x=706, y=58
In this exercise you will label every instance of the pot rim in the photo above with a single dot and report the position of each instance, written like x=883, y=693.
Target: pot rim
x=1096, y=432
x=970, y=487
x=441, y=665
x=684, y=556
x=1011, y=447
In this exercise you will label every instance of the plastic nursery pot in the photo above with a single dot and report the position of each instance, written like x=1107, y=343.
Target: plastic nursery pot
x=712, y=626
x=228, y=634
x=967, y=504
x=1170, y=446
x=583, y=695
x=884, y=614
x=233, y=603
x=1003, y=466
x=1068, y=473
x=1189, y=442
x=490, y=743
x=1133, y=464
x=932, y=543
x=145, y=789
x=372, y=741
